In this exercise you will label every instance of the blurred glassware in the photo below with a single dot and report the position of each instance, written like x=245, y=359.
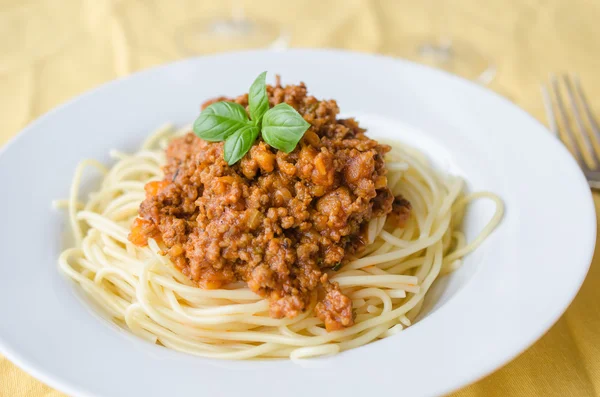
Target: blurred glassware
x=454, y=56
x=442, y=51
x=37, y=29
x=233, y=32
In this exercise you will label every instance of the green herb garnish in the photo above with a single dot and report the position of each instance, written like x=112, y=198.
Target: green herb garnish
x=281, y=126
x=258, y=102
x=337, y=266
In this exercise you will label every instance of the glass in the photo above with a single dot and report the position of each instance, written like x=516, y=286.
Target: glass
x=233, y=32
x=444, y=52
x=454, y=56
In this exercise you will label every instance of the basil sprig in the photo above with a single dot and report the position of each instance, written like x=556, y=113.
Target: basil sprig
x=238, y=144
x=258, y=102
x=282, y=126
x=220, y=120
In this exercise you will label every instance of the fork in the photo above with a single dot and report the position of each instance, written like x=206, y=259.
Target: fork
x=578, y=105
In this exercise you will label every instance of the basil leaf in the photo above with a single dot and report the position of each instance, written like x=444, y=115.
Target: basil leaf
x=238, y=144
x=283, y=126
x=220, y=120
x=257, y=98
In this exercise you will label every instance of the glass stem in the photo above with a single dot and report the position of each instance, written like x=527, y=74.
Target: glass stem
x=443, y=39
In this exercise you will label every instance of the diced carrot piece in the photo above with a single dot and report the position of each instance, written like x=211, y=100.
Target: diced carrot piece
x=153, y=188
x=137, y=235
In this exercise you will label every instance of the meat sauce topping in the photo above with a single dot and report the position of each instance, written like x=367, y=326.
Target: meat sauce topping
x=276, y=221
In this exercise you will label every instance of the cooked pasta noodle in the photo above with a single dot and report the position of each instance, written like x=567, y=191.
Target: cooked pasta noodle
x=140, y=289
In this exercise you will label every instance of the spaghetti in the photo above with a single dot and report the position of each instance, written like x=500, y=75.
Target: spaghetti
x=141, y=290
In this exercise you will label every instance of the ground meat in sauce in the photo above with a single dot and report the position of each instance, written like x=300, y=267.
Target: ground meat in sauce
x=274, y=220
x=400, y=211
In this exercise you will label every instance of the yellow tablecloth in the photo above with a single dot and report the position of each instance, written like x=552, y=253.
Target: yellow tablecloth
x=52, y=50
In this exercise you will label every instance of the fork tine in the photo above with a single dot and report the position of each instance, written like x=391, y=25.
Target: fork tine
x=549, y=111
x=568, y=135
x=585, y=138
x=586, y=108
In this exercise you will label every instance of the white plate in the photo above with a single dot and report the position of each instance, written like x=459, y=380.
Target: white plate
x=505, y=296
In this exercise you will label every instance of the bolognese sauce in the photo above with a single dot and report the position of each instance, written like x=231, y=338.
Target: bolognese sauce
x=277, y=221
